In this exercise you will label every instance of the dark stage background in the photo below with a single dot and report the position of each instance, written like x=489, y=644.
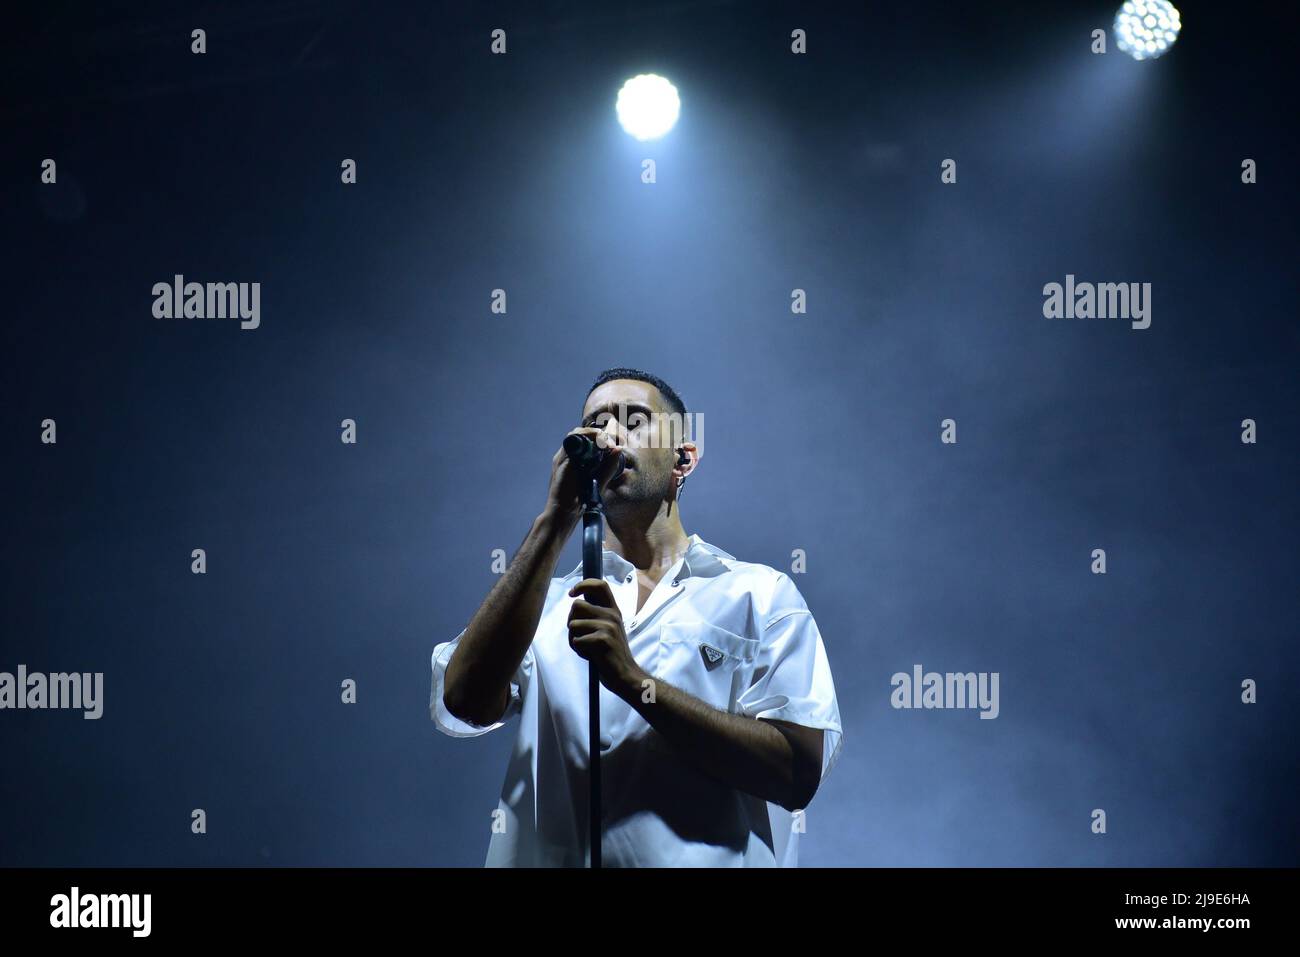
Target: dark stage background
x=821, y=172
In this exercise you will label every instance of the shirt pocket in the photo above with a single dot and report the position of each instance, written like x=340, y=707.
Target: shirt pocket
x=711, y=663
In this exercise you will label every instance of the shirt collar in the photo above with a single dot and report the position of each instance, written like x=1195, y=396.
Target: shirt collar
x=701, y=559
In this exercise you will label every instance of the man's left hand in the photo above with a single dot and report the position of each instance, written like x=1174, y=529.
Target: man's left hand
x=596, y=634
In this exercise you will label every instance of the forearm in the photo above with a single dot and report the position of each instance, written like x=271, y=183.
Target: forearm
x=477, y=683
x=744, y=753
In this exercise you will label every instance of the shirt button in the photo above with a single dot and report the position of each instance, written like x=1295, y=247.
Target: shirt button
x=675, y=583
x=628, y=579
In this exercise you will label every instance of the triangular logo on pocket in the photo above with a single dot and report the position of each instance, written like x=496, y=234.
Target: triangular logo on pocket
x=711, y=655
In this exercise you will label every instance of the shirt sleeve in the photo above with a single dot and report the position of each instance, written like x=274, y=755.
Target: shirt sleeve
x=792, y=675
x=448, y=723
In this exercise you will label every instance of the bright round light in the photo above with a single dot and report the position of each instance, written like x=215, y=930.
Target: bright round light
x=648, y=106
x=1145, y=29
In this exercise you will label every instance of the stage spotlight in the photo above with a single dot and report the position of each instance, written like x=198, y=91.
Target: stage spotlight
x=1145, y=29
x=647, y=106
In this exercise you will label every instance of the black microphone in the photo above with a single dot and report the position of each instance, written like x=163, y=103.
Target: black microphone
x=586, y=455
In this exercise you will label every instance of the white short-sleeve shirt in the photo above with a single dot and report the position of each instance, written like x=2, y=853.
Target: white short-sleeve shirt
x=735, y=634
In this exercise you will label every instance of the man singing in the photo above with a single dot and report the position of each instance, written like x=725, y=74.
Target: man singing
x=716, y=694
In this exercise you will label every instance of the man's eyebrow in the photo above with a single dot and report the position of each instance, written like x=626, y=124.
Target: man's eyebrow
x=613, y=407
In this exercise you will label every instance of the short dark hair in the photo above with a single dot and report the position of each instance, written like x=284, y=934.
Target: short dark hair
x=675, y=403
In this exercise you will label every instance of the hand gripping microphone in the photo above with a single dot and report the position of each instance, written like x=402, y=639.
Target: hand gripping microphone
x=587, y=456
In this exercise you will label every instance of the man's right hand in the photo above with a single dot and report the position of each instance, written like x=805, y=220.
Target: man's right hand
x=565, y=496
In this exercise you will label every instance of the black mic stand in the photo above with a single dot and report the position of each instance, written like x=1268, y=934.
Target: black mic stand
x=593, y=566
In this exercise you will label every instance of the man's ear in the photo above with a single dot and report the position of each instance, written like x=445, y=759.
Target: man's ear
x=688, y=456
